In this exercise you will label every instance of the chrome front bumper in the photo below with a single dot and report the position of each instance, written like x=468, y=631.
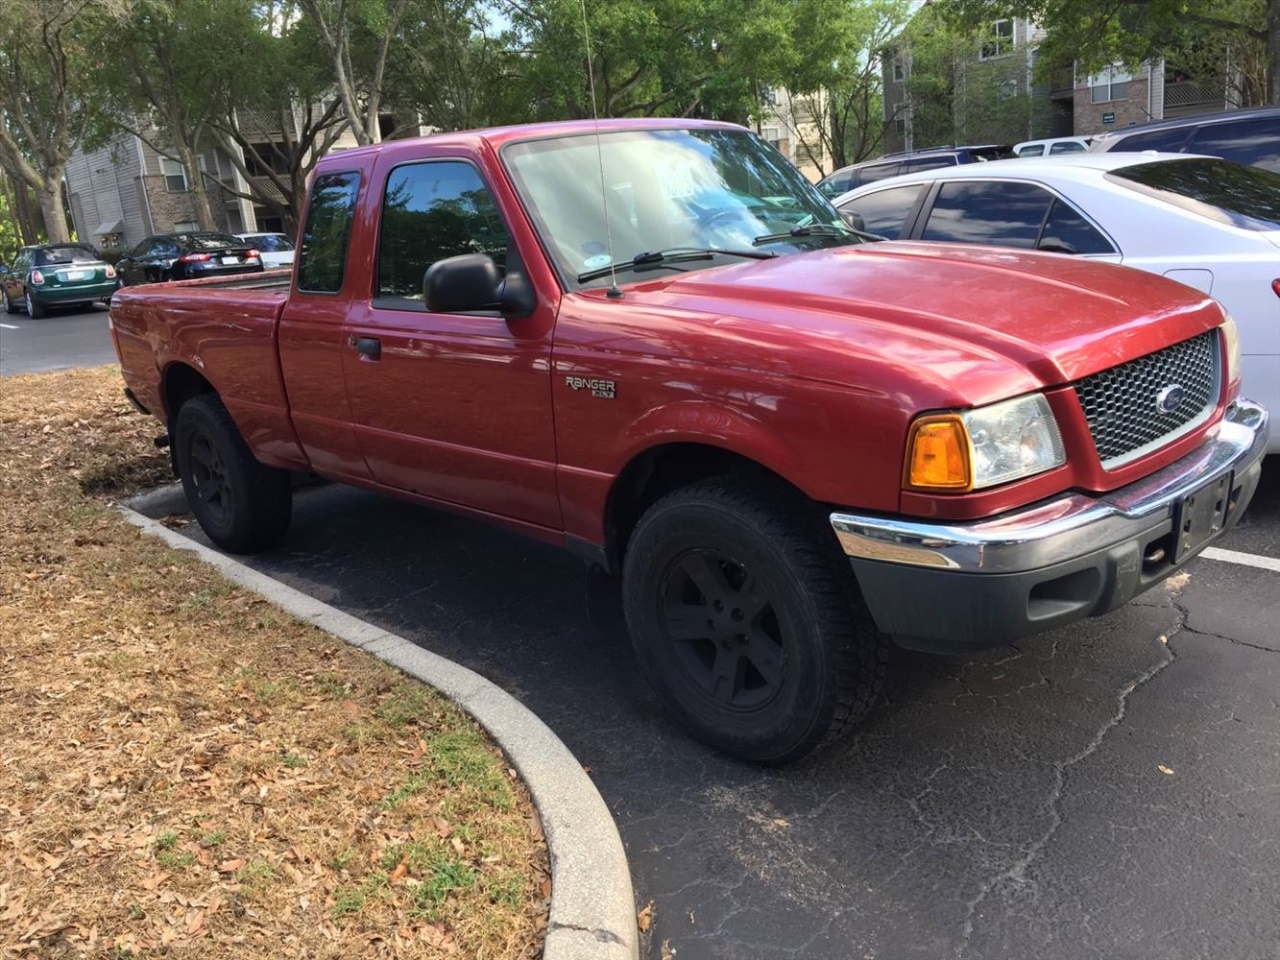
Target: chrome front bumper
x=1019, y=562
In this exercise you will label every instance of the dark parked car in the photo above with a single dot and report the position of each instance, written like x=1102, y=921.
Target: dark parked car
x=56, y=274
x=893, y=164
x=187, y=256
x=1251, y=137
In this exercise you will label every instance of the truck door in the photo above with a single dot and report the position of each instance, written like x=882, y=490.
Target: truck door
x=455, y=407
x=311, y=336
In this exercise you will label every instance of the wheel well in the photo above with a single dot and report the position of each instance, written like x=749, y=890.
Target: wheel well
x=181, y=383
x=657, y=472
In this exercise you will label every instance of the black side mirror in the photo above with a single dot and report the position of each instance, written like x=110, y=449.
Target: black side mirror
x=473, y=281
x=1056, y=245
x=853, y=219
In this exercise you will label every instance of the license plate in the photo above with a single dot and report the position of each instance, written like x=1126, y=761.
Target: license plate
x=230, y=259
x=1200, y=516
x=78, y=274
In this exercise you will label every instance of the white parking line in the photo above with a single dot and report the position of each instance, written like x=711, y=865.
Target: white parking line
x=8, y=326
x=1244, y=559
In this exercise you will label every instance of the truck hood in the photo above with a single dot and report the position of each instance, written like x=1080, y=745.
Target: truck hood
x=989, y=322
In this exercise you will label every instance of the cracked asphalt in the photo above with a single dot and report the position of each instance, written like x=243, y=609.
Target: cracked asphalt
x=1111, y=789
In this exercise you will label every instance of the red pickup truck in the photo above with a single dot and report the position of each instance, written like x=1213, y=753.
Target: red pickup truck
x=655, y=344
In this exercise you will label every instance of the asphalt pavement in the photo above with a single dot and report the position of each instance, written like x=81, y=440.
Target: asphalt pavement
x=60, y=340
x=1109, y=789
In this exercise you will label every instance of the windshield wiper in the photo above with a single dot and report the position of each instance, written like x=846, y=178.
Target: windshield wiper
x=661, y=258
x=817, y=230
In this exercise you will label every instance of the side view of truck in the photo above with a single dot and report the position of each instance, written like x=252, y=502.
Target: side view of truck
x=655, y=344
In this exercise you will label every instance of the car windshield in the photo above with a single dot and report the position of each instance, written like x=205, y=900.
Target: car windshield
x=1220, y=190
x=667, y=190
x=207, y=241
x=55, y=255
x=271, y=242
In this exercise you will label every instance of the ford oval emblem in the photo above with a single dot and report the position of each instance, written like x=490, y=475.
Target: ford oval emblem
x=1170, y=398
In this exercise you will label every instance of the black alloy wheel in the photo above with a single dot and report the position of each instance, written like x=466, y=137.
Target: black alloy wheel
x=722, y=629
x=747, y=620
x=243, y=505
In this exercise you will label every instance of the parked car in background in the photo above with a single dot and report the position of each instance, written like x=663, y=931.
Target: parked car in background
x=1209, y=223
x=896, y=164
x=1052, y=147
x=187, y=256
x=1246, y=136
x=276, y=249
x=56, y=274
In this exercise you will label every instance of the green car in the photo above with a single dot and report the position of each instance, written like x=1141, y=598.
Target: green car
x=56, y=274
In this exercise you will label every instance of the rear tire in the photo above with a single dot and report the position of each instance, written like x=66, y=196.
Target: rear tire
x=9, y=305
x=242, y=505
x=35, y=309
x=747, y=620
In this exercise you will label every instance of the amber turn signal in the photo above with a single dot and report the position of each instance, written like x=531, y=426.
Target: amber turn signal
x=938, y=455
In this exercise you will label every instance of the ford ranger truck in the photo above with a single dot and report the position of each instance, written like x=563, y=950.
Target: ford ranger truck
x=655, y=344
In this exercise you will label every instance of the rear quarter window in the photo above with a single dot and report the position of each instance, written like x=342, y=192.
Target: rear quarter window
x=1252, y=142
x=1226, y=192
x=323, y=259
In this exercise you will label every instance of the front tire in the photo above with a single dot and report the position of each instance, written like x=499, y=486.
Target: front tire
x=35, y=309
x=747, y=621
x=241, y=504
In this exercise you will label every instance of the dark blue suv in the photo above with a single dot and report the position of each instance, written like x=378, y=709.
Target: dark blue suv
x=1251, y=137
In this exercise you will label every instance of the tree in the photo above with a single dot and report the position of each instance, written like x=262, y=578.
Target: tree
x=834, y=74
x=1094, y=33
x=358, y=35
x=48, y=49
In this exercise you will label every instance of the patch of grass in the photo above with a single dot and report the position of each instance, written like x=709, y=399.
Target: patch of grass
x=509, y=891
x=257, y=873
x=342, y=859
x=448, y=876
x=462, y=756
x=411, y=787
x=404, y=705
x=214, y=838
x=331, y=685
x=294, y=761
x=166, y=841
x=174, y=860
x=346, y=900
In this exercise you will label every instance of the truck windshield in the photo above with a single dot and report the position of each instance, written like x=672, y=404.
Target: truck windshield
x=1246, y=197
x=712, y=190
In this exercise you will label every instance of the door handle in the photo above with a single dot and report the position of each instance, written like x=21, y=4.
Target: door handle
x=371, y=347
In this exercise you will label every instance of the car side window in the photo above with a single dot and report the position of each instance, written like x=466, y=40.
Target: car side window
x=1255, y=143
x=885, y=211
x=1170, y=140
x=835, y=185
x=1070, y=232
x=1035, y=150
x=1003, y=213
x=926, y=163
x=431, y=211
x=877, y=171
x=323, y=261
x=1069, y=147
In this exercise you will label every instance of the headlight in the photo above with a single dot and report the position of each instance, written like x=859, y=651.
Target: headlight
x=980, y=448
x=1231, y=336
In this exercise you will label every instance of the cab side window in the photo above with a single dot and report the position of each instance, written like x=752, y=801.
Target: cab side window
x=885, y=211
x=431, y=211
x=323, y=261
x=1004, y=214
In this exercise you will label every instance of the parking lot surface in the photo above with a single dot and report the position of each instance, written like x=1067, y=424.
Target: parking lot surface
x=1110, y=789
x=64, y=339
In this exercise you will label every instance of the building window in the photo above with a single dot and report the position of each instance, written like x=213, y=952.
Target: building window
x=175, y=177
x=998, y=41
x=186, y=226
x=899, y=69
x=1111, y=84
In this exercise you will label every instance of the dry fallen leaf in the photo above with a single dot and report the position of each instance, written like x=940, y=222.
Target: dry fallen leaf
x=644, y=919
x=1167, y=771
x=668, y=951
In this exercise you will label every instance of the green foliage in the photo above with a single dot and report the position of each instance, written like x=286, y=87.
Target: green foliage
x=1196, y=36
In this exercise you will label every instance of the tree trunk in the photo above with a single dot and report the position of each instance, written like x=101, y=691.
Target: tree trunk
x=22, y=212
x=195, y=183
x=1273, y=49
x=55, y=217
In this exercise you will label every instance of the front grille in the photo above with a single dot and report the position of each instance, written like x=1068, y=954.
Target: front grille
x=1122, y=404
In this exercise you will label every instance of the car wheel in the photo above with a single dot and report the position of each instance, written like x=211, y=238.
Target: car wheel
x=243, y=505
x=747, y=621
x=9, y=305
x=35, y=309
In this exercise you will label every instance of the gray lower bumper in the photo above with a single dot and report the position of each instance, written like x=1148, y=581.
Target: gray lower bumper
x=968, y=585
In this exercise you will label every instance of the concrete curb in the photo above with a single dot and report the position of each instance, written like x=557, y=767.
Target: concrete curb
x=593, y=913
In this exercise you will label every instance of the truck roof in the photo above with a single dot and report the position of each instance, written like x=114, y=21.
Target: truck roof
x=497, y=137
